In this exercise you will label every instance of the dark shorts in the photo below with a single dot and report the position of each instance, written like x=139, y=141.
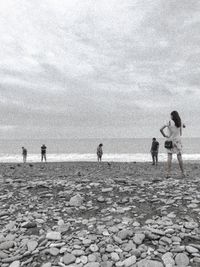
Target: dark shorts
x=154, y=153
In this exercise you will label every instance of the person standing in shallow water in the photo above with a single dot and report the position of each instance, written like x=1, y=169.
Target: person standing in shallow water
x=154, y=151
x=43, y=153
x=175, y=127
x=24, y=154
x=99, y=152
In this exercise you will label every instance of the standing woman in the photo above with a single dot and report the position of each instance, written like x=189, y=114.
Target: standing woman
x=173, y=143
x=99, y=152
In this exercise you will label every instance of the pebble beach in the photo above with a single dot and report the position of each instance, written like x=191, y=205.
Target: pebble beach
x=85, y=214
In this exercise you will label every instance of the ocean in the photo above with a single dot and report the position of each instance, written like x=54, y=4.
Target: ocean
x=119, y=150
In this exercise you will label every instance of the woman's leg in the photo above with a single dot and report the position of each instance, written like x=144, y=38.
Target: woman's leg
x=156, y=158
x=180, y=161
x=169, y=164
x=153, y=159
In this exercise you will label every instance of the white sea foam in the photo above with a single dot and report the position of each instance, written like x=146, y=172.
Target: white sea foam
x=138, y=157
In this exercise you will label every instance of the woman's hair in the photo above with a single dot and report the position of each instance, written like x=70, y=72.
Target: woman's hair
x=100, y=144
x=176, y=118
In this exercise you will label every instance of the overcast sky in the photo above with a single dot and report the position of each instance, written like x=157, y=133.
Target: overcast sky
x=98, y=68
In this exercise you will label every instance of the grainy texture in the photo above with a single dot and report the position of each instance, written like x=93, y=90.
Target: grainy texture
x=90, y=214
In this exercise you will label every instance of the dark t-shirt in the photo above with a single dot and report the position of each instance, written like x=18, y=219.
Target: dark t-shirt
x=24, y=151
x=155, y=146
x=43, y=149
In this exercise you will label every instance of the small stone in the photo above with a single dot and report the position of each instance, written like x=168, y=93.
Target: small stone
x=149, y=263
x=191, y=249
x=129, y=261
x=15, y=264
x=29, y=225
x=3, y=255
x=196, y=259
x=69, y=258
x=138, y=239
x=78, y=252
x=54, y=251
x=182, y=260
x=32, y=245
x=84, y=259
x=92, y=258
x=87, y=242
x=117, y=239
x=101, y=199
x=76, y=201
x=166, y=240
x=168, y=260
x=94, y=248
x=110, y=248
x=106, y=190
x=124, y=234
x=114, y=256
x=92, y=264
x=53, y=236
x=107, y=264
x=48, y=264
x=191, y=225
x=6, y=245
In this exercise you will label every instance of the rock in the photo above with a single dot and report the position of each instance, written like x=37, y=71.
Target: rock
x=106, y=264
x=156, y=231
x=129, y=261
x=106, y=190
x=69, y=258
x=3, y=255
x=114, y=256
x=128, y=246
x=32, y=245
x=48, y=264
x=54, y=251
x=92, y=264
x=166, y=240
x=124, y=234
x=6, y=245
x=15, y=264
x=191, y=225
x=182, y=260
x=191, y=249
x=168, y=260
x=101, y=199
x=87, y=242
x=149, y=263
x=53, y=236
x=138, y=239
x=196, y=259
x=84, y=259
x=92, y=258
x=78, y=252
x=76, y=201
x=117, y=239
x=94, y=248
x=29, y=225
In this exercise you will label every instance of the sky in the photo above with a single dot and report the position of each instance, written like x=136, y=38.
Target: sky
x=98, y=69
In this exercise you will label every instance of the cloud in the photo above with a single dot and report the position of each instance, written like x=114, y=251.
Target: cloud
x=85, y=68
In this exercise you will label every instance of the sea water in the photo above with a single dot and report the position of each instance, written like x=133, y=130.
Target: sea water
x=119, y=150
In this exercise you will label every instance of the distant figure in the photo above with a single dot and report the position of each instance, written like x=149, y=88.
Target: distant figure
x=154, y=151
x=99, y=152
x=24, y=154
x=173, y=142
x=43, y=153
